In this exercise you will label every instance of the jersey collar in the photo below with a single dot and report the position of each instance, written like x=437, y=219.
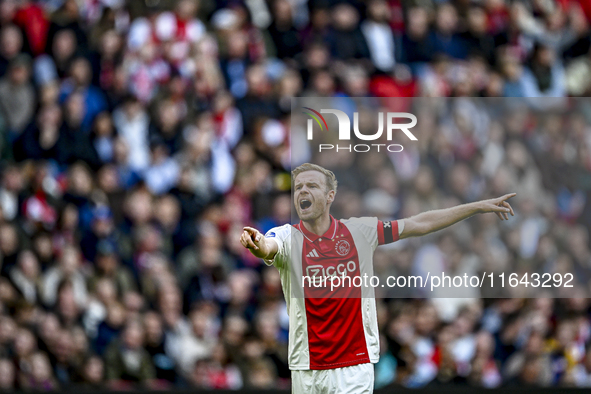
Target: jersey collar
x=329, y=234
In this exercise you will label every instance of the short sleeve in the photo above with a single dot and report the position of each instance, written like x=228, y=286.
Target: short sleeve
x=367, y=226
x=282, y=237
x=377, y=232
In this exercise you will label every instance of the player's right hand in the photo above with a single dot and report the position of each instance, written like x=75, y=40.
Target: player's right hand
x=251, y=238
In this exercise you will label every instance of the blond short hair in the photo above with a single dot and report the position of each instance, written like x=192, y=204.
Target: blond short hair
x=331, y=179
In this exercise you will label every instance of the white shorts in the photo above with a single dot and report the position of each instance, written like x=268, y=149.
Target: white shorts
x=356, y=379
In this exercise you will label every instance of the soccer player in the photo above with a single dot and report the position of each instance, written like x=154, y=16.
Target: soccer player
x=333, y=341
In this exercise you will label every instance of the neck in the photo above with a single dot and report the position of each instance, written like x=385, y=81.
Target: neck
x=319, y=225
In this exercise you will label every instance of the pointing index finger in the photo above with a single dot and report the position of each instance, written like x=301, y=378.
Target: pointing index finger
x=250, y=230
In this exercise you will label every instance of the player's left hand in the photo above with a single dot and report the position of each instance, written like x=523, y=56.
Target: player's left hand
x=499, y=206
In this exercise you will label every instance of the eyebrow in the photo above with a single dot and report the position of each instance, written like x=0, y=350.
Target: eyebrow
x=308, y=183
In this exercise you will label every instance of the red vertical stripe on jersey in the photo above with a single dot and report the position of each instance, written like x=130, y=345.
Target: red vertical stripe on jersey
x=336, y=337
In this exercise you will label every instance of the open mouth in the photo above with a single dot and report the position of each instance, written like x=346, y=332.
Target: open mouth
x=304, y=204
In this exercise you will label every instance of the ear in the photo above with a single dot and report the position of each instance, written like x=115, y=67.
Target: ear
x=330, y=196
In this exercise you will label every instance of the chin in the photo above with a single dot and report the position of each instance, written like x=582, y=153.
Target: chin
x=308, y=216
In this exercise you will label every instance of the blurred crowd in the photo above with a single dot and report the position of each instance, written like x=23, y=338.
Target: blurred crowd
x=137, y=138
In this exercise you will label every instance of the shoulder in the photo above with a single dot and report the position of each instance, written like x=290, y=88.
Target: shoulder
x=366, y=226
x=280, y=232
x=361, y=221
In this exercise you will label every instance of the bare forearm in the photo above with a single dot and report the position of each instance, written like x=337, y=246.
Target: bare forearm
x=430, y=221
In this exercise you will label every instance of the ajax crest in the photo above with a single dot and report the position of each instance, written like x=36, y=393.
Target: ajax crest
x=342, y=247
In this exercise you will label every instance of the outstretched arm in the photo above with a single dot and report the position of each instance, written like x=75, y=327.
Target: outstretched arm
x=261, y=247
x=430, y=221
